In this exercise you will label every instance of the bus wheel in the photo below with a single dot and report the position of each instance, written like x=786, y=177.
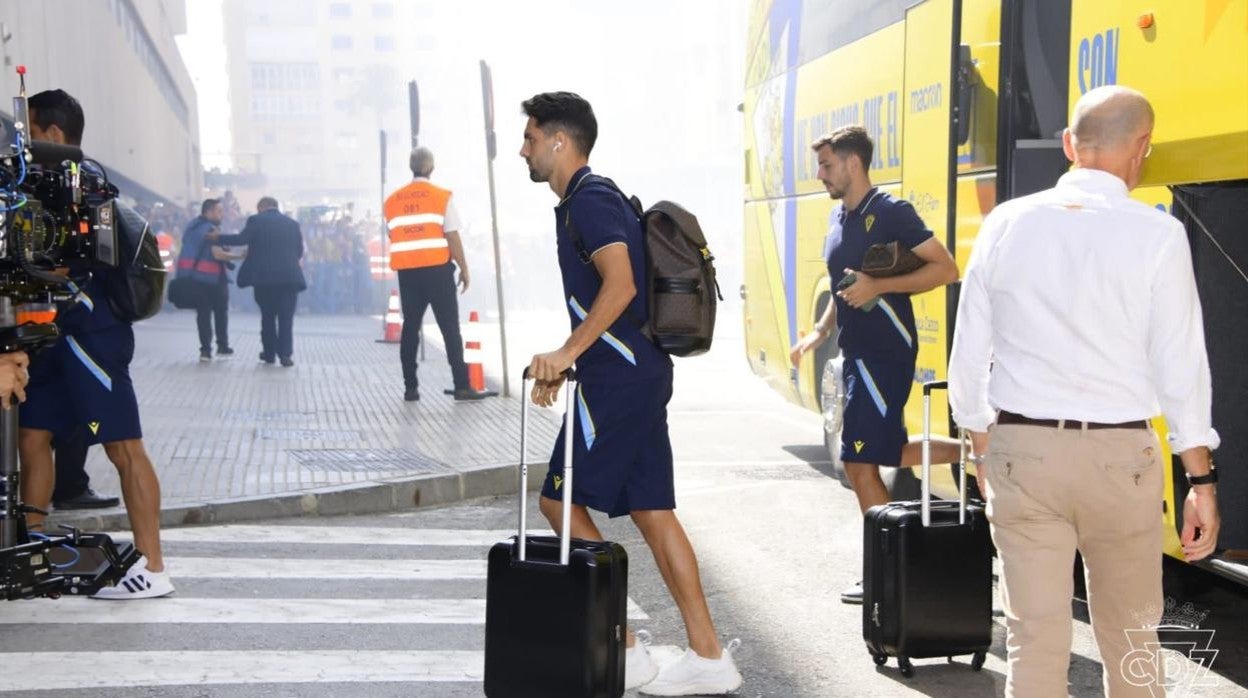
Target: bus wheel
x=902, y=483
x=832, y=405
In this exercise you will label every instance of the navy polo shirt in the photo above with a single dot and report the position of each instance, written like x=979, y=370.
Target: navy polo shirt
x=89, y=310
x=886, y=332
x=602, y=217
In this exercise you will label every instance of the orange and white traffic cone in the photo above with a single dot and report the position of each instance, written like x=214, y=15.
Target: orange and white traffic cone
x=392, y=324
x=472, y=352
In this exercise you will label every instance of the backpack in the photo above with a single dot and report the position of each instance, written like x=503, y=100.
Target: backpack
x=680, y=275
x=136, y=287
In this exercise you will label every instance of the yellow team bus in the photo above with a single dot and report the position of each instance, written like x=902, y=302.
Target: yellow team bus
x=966, y=101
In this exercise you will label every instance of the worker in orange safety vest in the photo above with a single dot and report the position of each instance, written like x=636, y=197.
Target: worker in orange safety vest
x=424, y=239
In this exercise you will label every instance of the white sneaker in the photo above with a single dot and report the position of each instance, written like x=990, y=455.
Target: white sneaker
x=639, y=668
x=139, y=583
x=693, y=675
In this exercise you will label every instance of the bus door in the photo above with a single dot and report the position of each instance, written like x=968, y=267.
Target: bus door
x=928, y=174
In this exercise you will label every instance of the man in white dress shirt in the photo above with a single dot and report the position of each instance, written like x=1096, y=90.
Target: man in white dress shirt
x=1082, y=302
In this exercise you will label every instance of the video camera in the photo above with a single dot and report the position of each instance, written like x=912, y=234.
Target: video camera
x=57, y=221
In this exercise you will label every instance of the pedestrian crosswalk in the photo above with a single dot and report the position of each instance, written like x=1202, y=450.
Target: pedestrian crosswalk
x=274, y=605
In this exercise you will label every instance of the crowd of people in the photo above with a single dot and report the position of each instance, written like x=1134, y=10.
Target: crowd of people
x=335, y=261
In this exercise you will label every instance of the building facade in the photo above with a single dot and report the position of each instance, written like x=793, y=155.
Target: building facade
x=312, y=82
x=119, y=59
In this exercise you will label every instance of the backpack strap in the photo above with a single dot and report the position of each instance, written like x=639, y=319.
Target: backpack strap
x=575, y=237
x=581, y=252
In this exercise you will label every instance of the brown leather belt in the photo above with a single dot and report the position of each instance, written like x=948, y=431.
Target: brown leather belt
x=1005, y=417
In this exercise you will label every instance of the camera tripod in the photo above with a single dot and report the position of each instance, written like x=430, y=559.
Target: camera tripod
x=32, y=564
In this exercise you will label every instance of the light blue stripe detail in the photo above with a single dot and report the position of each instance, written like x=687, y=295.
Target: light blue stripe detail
x=607, y=337
x=892, y=315
x=576, y=307
x=81, y=296
x=87, y=361
x=587, y=422
x=871, y=388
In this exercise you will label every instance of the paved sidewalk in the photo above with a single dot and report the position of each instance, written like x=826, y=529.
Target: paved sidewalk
x=236, y=439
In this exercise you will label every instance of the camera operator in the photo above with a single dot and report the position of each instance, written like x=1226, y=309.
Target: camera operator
x=83, y=381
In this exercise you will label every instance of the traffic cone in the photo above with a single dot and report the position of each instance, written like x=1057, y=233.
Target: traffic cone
x=472, y=352
x=392, y=324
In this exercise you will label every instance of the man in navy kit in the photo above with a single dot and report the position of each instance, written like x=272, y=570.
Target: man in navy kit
x=80, y=387
x=620, y=443
x=879, y=345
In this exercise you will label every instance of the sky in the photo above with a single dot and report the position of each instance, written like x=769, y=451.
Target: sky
x=203, y=50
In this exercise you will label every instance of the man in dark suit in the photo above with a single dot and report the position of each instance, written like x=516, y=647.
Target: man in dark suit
x=274, y=248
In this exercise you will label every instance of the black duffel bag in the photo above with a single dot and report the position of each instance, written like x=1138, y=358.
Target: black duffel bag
x=185, y=293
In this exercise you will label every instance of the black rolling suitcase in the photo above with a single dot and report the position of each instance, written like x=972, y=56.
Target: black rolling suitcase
x=927, y=573
x=555, y=608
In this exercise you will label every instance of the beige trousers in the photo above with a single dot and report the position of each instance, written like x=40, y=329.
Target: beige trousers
x=1052, y=491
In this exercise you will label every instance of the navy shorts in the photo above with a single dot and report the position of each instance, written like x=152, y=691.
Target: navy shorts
x=622, y=454
x=875, y=422
x=83, y=381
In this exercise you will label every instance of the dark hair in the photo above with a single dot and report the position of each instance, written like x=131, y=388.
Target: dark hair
x=849, y=139
x=59, y=108
x=208, y=205
x=266, y=202
x=564, y=111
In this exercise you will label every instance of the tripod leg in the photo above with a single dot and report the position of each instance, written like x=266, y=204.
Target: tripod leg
x=10, y=516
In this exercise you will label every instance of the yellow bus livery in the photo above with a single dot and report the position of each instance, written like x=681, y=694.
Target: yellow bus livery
x=966, y=101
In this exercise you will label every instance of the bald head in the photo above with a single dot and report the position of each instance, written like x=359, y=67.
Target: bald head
x=1112, y=131
x=421, y=162
x=1110, y=118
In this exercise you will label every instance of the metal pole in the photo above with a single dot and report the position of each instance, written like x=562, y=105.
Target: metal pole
x=487, y=99
x=413, y=120
x=10, y=517
x=382, y=231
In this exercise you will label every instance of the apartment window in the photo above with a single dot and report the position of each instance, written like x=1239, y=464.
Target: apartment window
x=270, y=138
x=340, y=10
x=342, y=42
x=384, y=43
x=383, y=10
x=285, y=76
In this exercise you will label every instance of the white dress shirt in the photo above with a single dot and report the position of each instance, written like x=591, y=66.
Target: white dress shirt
x=1083, y=303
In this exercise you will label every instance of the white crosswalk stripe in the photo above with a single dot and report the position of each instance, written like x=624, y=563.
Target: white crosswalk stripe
x=45, y=670
x=347, y=582
x=179, y=610
x=285, y=568
x=337, y=535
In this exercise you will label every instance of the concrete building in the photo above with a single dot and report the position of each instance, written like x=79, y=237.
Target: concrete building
x=311, y=84
x=119, y=59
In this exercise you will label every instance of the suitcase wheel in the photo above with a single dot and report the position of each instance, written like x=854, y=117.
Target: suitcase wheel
x=977, y=661
x=907, y=669
x=880, y=659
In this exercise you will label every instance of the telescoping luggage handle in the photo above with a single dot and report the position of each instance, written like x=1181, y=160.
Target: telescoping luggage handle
x=926, y=502
x=565, y=539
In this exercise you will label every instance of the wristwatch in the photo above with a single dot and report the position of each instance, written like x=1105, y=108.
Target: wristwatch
x=1207, y=479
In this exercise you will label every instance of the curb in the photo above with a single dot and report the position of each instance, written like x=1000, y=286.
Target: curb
x=396, y=494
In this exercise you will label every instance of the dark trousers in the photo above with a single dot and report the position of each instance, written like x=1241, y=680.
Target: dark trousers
x=71, y=466
x=277, y=319
x=419, y=289
x=214, y=305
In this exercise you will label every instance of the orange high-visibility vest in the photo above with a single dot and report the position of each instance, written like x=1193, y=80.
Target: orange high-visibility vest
x=165, y=242
x=414, y=217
